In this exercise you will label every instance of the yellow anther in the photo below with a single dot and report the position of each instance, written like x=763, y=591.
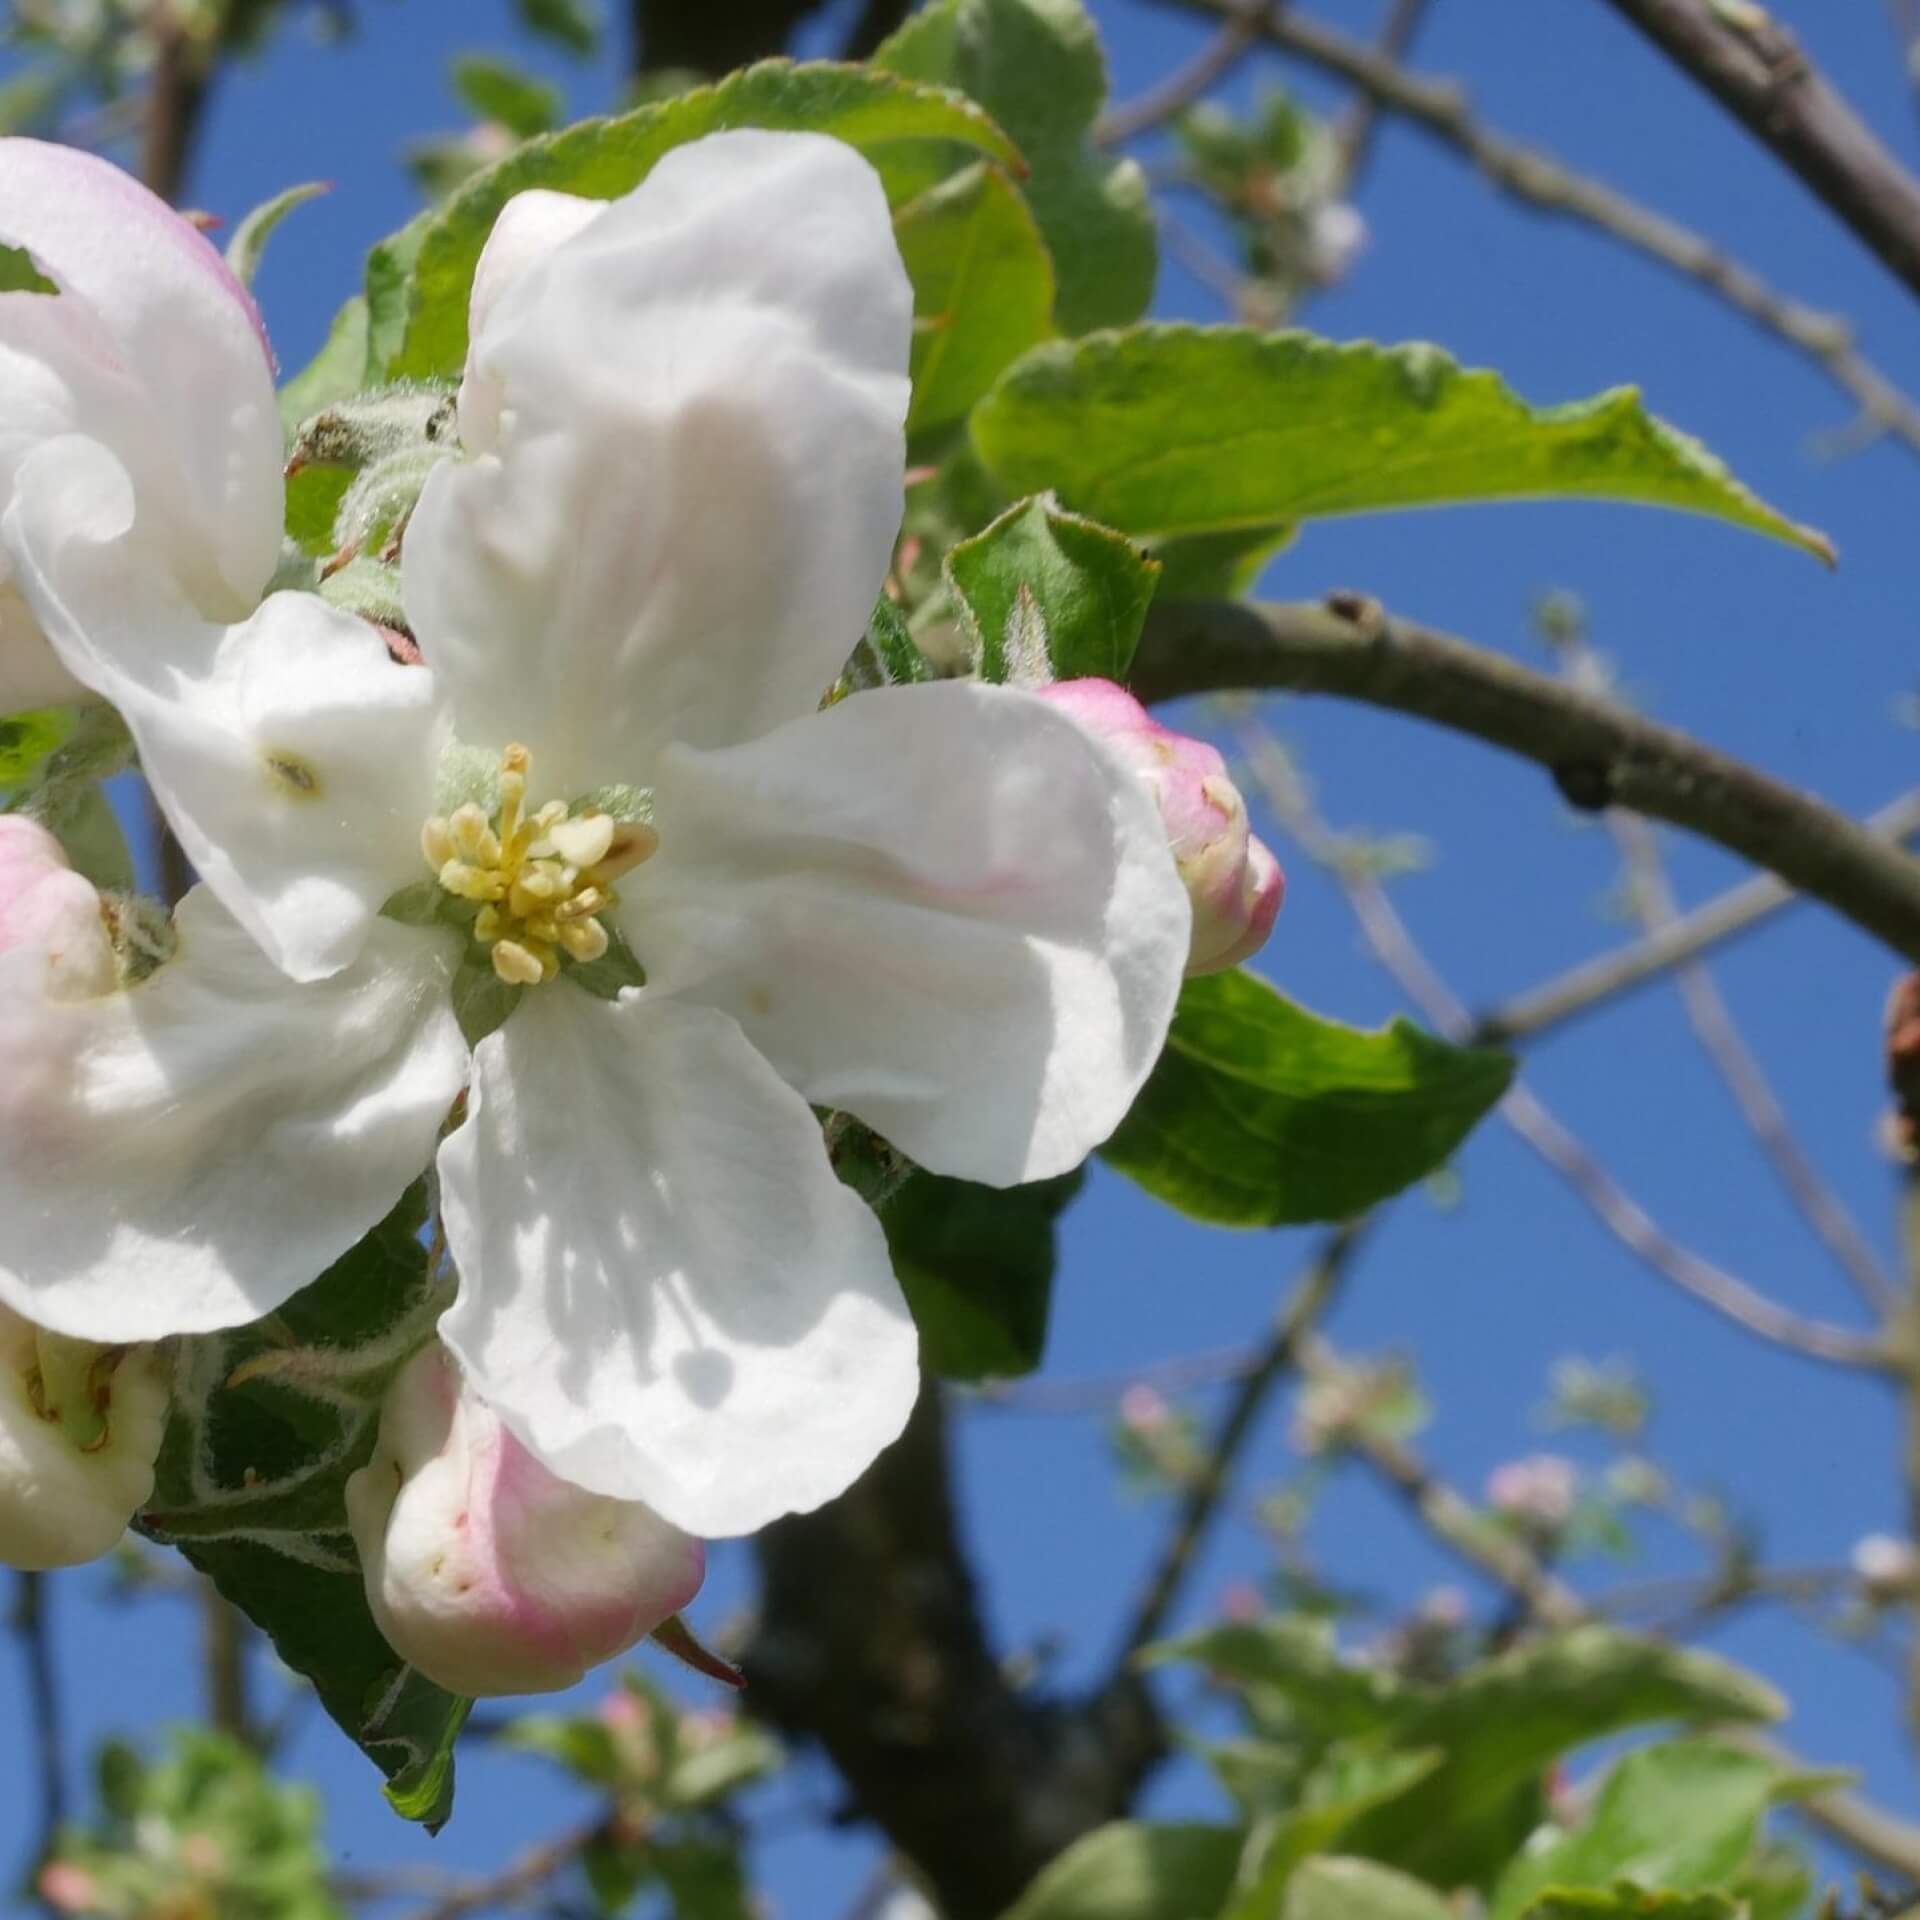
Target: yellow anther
x=517, y=965
x=590, y=899
x=436, y=842
x=473, y=837
x=584, y=939
x=584, y=842
x=539, y=879
x=472, y=883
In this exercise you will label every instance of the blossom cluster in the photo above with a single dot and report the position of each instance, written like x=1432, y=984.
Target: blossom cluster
x=588, y=904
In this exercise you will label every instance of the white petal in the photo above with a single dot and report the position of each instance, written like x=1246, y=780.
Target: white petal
x=531, y=226
x=943, y=908
x=293, y=757
x=153, y=348
x=684, y=465
x=187, y=1154
x=664, y=1290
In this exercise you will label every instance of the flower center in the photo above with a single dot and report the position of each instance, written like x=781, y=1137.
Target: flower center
x=541, y=879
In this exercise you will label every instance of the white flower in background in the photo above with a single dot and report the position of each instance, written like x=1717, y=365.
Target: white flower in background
x=941, y=908
x=483, y=1570
x=80, y=1430
x=1538, y=1492
x=80, y=1424
x=52, y=914
x=153, y=352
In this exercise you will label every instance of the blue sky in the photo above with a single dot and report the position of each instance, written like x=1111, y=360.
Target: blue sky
x=1751, y=645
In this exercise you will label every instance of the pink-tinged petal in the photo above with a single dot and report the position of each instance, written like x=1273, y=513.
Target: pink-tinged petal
x=484, y=1571
x=186, y=1154
x=664, y=1291
x=942, y=908
x=1233, y=879
x=155, y=350
x=65, y=1495
x=294, y=758
x=48, y=909
x=684, y=465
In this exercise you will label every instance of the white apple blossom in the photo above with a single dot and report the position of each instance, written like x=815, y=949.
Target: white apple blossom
x=153, y=351
x=486, y=1572
x=942, y=908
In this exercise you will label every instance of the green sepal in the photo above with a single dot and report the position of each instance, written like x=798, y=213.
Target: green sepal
x=609, y=976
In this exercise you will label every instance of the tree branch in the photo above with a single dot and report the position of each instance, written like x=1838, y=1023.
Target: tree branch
x=1598, y=755
x=1757, y=71
x=1857, y=1824
x=1185, y=86
x=1599, y=981
x=712, y=39
x=871, y=1642
x=1204, y=1495
x=1536, y=177
x=31, y=1624
x=1386, y=933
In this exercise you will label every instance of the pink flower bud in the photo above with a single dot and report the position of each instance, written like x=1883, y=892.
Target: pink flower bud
x=48, y=908
x=80, y=1429
x=485, y=1571
x=1233, y=880
x=1538, y=1491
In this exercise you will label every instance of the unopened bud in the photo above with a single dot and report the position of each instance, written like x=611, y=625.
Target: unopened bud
x=1232, y=878
x=80, y=1429
x=48, y=908
x=1887, y=1568
x=484, y=1570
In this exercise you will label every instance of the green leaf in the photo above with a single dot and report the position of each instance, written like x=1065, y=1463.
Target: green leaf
x=29, y=740
x=982, y=289
x=1090, y=586
x=572, y=24
x=390, y=295
x=18, y=274
x=1682, y=1817
x=1036, y=66
x=497, y=90
x=419, y=281
x=1297, y=1659
x=1333, y=1798
x=1176, y=430
x=335, y=373
x=1503, y=1723
x=250, y=1483
x=1131, y=1870
x=482, y=1001
x=976, y=1264
x=1333, y=1889
x=1262, y=1114
x=887, y=655
x=1634, y=1903
x=248, y=246
x=609, y=976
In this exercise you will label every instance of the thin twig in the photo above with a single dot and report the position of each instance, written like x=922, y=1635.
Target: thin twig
x=1185, y=86
x=1623, y=1216
x=1865, y=1829
x=1720, y=1038
x=522, y=1877
x=34, y=1629
x=1103, y=1392
x=1313, y=1293
x=224, y=1639
x=1754, y=67
x=1603, y=979
x=1353, y=135
x=1541, y=180
x=1598, y=754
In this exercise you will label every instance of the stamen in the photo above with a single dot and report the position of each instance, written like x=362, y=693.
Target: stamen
x=540, y=879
